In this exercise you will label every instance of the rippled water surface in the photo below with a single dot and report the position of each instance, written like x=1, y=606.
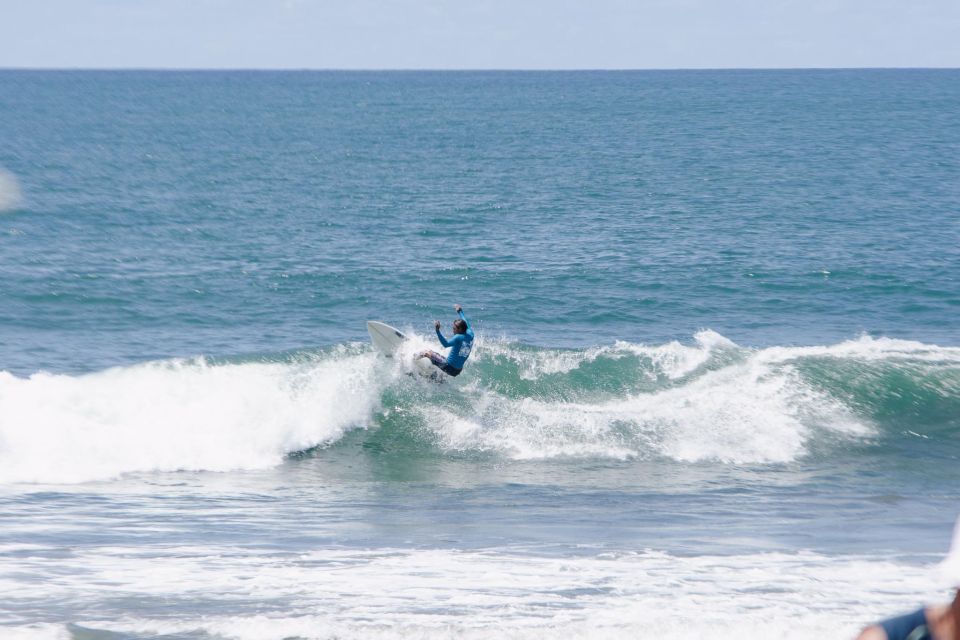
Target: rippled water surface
x=715, y=387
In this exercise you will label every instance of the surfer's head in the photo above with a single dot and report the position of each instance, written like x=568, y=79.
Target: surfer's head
x=459, y=326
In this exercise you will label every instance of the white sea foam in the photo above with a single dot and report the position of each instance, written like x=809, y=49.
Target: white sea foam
x=10, y=196
x=533, y=365
x=869, y=349
x=720, y=402
x=756, y=410
x=36, y=632
x=177, y=415
x=676, y=360
x=394, y=593
x=673, y=359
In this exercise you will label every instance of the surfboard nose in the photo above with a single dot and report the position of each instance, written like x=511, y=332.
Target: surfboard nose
x=386, y=339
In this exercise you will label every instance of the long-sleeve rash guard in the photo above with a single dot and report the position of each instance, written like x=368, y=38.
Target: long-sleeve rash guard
x=460, y=345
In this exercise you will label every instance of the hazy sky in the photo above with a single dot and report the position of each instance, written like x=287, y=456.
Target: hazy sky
x=456, y=34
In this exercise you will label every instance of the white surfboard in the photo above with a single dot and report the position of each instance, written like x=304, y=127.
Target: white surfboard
x=385, y=338
x=388, y=341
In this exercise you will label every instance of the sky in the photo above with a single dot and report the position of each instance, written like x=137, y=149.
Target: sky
x=478, y=34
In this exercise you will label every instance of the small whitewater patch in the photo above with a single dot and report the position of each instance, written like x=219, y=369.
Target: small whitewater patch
x=49, y=631
x=869, y=349
x=10, y=195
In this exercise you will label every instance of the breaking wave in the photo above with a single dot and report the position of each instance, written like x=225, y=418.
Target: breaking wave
x=710, y=400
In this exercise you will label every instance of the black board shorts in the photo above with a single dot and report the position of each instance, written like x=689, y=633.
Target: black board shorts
x=440, y=363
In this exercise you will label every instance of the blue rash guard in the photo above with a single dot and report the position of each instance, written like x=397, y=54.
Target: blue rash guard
x=460, y=345
x=913, y=626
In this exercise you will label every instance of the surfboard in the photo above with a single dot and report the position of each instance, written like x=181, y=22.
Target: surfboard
x=385, y=338
x=388, y=340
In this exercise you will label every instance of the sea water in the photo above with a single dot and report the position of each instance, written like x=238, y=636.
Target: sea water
x=715, y=390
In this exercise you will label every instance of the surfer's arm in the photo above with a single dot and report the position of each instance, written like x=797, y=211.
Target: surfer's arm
x=440, y=337
x=873, y=632
x=464, y=318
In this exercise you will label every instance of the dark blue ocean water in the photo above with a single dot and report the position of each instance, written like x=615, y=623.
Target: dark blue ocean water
x=169, y=214
x=717, y=372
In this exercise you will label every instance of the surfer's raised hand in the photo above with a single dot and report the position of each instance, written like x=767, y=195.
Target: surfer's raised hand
x=436, y=325
x=457, y=308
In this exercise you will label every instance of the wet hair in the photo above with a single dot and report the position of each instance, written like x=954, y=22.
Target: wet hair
x=459, y=326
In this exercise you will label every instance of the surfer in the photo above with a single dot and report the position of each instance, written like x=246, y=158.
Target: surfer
x=460, y=346
x=941, y=622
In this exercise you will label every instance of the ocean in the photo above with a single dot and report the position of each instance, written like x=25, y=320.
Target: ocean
x=715, y=390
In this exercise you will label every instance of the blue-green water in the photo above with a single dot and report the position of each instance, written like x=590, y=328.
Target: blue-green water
x=715, y=388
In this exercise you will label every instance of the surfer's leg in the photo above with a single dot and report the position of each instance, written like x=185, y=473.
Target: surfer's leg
x=439, y=362
x=435, y=358
x=450, y=371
